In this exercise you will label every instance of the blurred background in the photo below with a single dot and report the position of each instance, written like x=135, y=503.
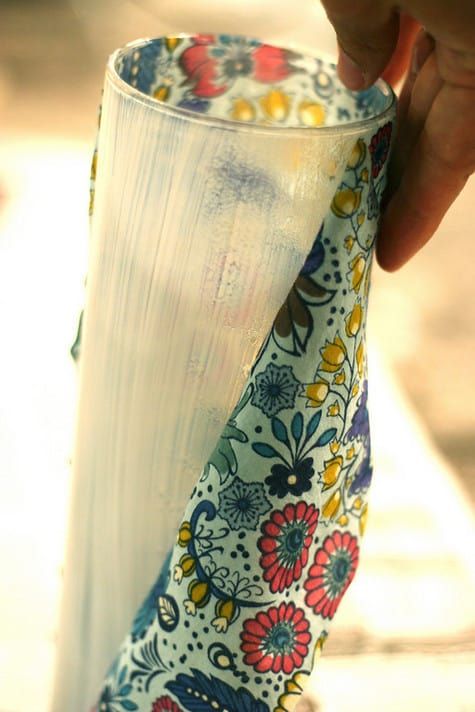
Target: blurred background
x=404, y=638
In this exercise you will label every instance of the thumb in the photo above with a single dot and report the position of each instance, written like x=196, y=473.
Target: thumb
x=367, y=33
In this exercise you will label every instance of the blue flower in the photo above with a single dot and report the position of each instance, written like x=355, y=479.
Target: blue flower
x=242, y=504
x=295, y=480
x=276, y=388
x=363, y=476
x=359, y=427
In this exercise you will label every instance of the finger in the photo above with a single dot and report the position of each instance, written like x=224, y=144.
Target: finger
x=419, y=93
x=401, y=58
x=367, y=35
x=440, y=164
x=422, y=47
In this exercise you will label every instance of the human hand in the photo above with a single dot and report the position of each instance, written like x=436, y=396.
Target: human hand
x=434, y=152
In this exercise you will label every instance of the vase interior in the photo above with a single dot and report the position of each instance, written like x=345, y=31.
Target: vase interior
x=237, y=79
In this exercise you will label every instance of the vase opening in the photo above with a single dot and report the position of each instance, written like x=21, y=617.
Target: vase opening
x=240, y=81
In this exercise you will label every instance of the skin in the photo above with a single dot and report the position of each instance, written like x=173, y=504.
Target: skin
x=434, y=153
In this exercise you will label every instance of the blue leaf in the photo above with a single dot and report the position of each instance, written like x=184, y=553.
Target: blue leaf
x=124, y=690
x=325, y=437
x=313, y=423
x=216, y=690
x=122, y=675
x=280, y=431
x=297, y=426
x=264, y=450
x=128, y=705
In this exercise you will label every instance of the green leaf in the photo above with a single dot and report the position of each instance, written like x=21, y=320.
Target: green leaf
x=325, y=437
x=313, y=424
x=280, y=431
x=264, y=450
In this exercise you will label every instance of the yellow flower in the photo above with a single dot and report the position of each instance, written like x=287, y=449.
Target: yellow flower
x=333, y=355
x=346, y=202
x=343, y=520
x=172, y=43
x=353, y=321
x=334, y=408
x=316, y=393
x=187, y=564
x=360, y=358
x=332, y=471
x=224, y=612
x=361, y=218
x=363, y=519
x=358, y=154
x=349, y=241
x=332, y=505
x=293, y=688
x=355, y=389
x=311, y=114
x=357, y=503
x=334, y=447
x=356, y=272
x=162, y=93
x=184, y=534
x=317, y=651
x=364, y=175
x=350, y=453
x=199, y=593
x=243, y=110
x=339, y=378
x=275, y=105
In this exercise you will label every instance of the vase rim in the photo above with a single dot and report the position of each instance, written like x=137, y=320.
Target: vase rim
x=344, y=130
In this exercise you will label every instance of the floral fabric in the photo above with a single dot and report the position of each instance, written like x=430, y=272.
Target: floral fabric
x=270, y=539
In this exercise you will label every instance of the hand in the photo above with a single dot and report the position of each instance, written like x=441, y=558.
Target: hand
x=434, y=152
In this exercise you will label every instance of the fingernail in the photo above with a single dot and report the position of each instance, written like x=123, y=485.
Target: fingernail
x=349, y=72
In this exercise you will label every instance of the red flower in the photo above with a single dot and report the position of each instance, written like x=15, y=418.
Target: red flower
x=331, y=573
x=212, y=63
x=285, y=544
x=379, y=148
x=276, y=640
x=165, y=704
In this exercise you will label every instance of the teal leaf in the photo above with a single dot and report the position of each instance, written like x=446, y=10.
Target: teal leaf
x=325, y=437
x=280, y=431
x=125, y=689
x=264, y=450
x=297, y=426
x=313, y=424
x=128, y=705
x=223, y=457
x=122, y=675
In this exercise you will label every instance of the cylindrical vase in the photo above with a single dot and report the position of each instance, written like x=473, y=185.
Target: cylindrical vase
x=236, y=206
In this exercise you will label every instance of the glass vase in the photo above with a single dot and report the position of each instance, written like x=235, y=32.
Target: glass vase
x=236, y=207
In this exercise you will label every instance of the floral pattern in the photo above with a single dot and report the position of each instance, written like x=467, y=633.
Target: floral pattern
x=277, y=639
x=212, y=64
x=165, y=704
x=242, y=504
x=269, y=540
x=286, y=539
x=332, y=572
x=275, y=389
